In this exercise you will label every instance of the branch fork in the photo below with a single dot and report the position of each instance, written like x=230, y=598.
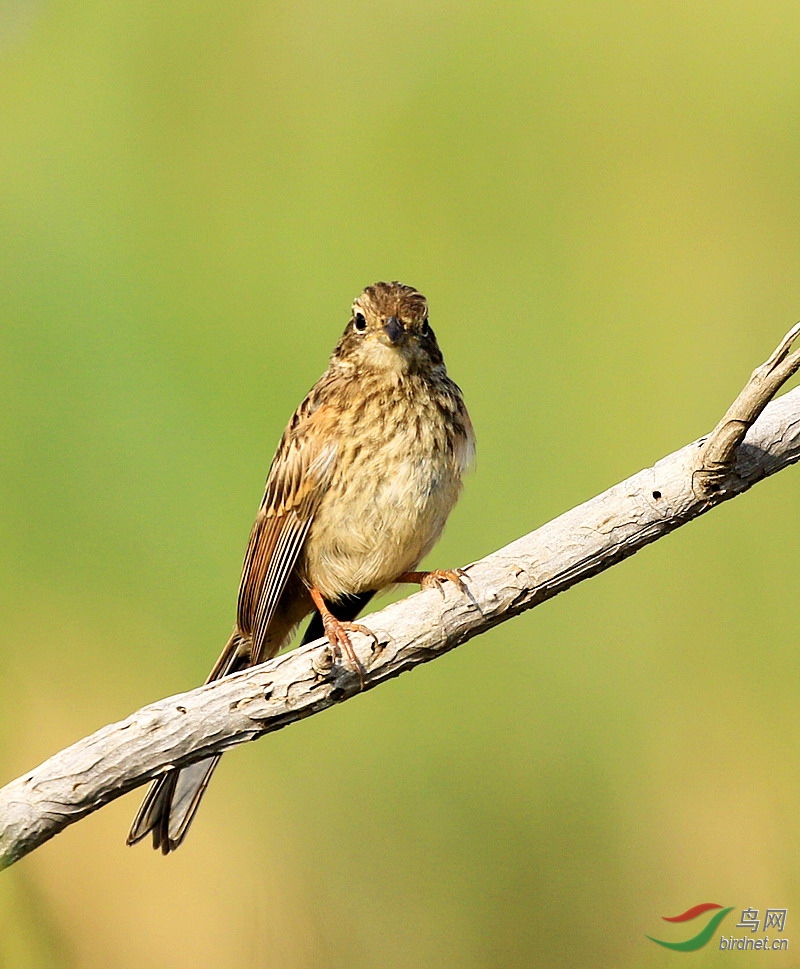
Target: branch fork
x=717, y=457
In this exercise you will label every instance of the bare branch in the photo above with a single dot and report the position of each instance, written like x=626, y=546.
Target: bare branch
x=583, y=542
x=716, y=458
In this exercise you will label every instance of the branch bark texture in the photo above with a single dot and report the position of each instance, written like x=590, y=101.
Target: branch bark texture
x=581, y=543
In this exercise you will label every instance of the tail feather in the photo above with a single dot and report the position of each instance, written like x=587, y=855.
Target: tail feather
x=173, y=798
x=171, y=804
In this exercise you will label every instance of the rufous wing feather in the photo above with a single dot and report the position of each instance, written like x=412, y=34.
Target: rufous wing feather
x=298, y=477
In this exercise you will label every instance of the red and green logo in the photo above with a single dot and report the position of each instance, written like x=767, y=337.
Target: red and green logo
x=699, y=940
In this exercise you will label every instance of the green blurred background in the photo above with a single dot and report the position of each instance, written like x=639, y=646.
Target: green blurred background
x=602, y=203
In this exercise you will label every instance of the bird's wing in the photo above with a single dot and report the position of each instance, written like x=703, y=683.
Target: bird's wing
x=298, y=478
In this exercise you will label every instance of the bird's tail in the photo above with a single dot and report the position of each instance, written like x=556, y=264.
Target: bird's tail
x=172, y=799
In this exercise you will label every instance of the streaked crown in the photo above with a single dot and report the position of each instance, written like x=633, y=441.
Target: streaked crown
x=381, y=301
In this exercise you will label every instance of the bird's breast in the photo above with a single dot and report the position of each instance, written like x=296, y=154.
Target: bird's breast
x=386, y=505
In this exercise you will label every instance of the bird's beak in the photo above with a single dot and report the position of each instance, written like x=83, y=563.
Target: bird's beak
x=395, y=331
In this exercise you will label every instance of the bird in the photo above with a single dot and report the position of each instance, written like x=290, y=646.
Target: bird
x=361, y=484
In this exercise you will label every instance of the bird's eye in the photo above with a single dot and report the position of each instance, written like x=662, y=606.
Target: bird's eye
x=360, y=322
x=426, y=327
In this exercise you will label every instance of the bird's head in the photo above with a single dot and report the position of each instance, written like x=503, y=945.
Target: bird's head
x=389, y=331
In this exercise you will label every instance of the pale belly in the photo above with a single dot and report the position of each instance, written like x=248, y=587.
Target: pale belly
x=375, y=526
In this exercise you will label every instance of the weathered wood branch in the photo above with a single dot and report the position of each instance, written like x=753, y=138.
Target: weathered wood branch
x=581, y=543
x=719, y=453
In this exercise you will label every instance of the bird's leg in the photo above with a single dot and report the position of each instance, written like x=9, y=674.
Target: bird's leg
x=336, y=631
x=436, y=579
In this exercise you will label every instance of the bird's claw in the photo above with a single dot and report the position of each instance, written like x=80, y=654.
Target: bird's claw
x=437, y=578
x=337, y=631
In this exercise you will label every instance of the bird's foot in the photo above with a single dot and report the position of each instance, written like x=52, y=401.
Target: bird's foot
x=436, y=579
x=337, y=632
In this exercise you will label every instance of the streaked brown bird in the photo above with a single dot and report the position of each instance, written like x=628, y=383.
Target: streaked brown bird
x=358, y=492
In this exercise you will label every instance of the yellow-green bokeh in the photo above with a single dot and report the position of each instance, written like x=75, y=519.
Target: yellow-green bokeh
x=602, y=203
